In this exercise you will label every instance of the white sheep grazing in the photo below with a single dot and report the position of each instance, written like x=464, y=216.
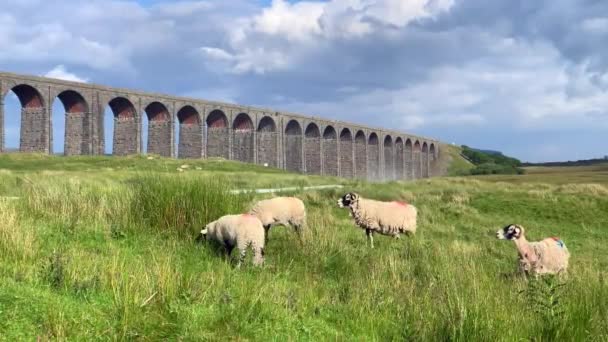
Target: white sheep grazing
x=386, y=218
x=241, y=231
x=548, y=256
x=281, y=211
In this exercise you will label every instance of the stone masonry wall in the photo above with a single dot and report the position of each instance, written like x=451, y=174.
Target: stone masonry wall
x=416, y=164
x=242, y=146
x=330, y=157
x=217, y=142
x=267, y=148
x=125, y=136
x=409, y=172
x=159, y=137
x=34, y=124
x=360, y=160
x=346, y=159
x=312, y=149
x=77, y=134
x=399, y=161
x=190, y=141
x=373, y=161
x=389, y=163
x=326, y=153
x=424, y=164
x=293, y=152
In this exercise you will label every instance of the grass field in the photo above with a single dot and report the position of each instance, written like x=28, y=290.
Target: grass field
x=103, y=249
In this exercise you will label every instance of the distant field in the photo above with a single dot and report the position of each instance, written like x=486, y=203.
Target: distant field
x=556, y=175
x=99, y=248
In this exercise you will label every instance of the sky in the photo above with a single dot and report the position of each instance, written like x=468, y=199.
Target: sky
x=528, y=78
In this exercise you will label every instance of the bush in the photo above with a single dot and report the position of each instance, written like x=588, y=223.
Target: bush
x=496, y=169
x=491, y=163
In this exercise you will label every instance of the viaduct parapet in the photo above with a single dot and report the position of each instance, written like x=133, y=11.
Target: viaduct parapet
x=280, y=139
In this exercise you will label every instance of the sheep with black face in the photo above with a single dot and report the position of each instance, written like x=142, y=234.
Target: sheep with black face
x=386, y=218
x=548, y=256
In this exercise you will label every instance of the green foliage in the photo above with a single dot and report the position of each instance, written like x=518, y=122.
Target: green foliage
x=491, y=163
x=108, y=255
x=545, y=296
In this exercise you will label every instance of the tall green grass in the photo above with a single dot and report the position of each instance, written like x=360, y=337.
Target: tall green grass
x=90, y=258
x=181, y=205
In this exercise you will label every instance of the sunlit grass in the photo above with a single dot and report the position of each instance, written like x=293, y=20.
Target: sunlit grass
x=111, y=255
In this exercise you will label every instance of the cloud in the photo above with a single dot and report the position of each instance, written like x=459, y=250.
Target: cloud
x=596, y=25
x=60, y=72
x=510, y=75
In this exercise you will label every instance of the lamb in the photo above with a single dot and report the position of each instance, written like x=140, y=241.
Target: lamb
x=386, y=218
x=281, y=211
x=242, y=231
x=548, y=256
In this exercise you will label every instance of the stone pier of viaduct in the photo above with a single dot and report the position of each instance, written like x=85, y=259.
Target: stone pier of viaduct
x=207, y=129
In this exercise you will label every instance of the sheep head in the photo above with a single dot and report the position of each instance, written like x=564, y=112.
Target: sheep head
x=510, y=232
x=206, y=230
x=348, y=200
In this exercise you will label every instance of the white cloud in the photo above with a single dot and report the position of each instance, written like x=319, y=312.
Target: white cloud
x=279, y=35
x=60, y=72
x=595, y=25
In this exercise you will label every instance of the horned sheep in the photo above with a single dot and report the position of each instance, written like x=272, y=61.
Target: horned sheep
x=241, y=231
x=386, y=218
x=287, y=211
x=548, y=256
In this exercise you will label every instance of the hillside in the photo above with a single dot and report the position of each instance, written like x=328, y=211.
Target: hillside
x=104, y=248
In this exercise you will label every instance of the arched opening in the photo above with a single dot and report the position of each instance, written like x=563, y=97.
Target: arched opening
x=121, y=132
x=360, y=155
x=389, y=159
x=159, y=130
x=416, y=160
x=312, y=149
x=424, y=160
x=409, y=166
x=70, y=124
x=10, y=123
x=432, y=161
x=373, y=157
x=242, y=141
x=330, y=152
x=267, y=142
x=217, y=135
x=190, y=135
x=346, y=154
x=27, y=131
x=399, y=159
x=293, y=146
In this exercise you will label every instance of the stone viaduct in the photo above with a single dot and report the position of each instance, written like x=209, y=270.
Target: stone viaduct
x=212, y=129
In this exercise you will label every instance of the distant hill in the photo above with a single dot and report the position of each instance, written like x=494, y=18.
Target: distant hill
x=582, y=162
x=489, y=162
x=487, y=151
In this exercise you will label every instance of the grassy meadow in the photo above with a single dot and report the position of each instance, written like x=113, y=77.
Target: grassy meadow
x=97, y=248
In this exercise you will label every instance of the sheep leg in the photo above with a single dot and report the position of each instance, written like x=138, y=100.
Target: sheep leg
x=242, y=255
x=370, y=236
x=266, y=232
x=228, y=247
x=258, y=256
x=298, y=229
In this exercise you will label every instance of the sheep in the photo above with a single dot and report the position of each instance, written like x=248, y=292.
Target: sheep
x=239, y=231
x=548, y=256
x=386, y=218
x=281, y=210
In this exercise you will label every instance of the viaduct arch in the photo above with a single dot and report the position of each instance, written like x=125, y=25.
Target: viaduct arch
x=207, y=129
